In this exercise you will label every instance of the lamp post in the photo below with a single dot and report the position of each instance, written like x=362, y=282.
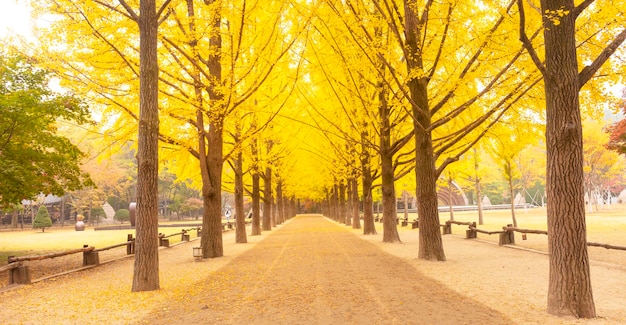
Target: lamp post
x=197, y=253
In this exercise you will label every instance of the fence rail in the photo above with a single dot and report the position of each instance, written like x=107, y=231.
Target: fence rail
x=607, y=246
x=507, y=234
x=19, y=273
x=13, y=259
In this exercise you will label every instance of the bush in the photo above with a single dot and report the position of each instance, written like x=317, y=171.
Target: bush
x=122, y=215
x=42, y=220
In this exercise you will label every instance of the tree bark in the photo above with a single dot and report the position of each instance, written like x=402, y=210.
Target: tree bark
x=14, y=218
x=267, y=199
x=256, y=204
x=511, y=192
x=479, y=193
x=274, y=212
x=450, y=197
x=356, y=217
x=405, y=196
x=569, y=290
x=240, y=215
x=368, y=203
x=390, y=214
x=342, y=202
x=430, y=242
x=280, y=202
x=146, y=266
x=211, y=241
x=349, y=202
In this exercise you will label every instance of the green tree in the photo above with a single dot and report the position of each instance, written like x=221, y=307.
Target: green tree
x=33, y=157
x=122, y=215
x=42, y=220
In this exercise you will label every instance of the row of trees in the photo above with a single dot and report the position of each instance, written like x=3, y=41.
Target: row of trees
x=396, y=87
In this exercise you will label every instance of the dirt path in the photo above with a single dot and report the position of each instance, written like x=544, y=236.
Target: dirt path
x=313, y=271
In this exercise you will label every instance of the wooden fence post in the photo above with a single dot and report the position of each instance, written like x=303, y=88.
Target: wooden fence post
x=130, y=248
x=184, y=236
x=471, y=232
x=19, y=274
x=507, y=237
x=165, y=242
x=90, y=257
x=447, y=228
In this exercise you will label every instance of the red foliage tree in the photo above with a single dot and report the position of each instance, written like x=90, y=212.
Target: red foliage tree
x=617, y=130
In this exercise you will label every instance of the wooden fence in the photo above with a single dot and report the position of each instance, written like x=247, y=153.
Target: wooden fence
x=507, y=234
x=19, y=272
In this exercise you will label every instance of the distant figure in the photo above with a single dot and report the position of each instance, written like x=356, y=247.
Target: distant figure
x=227, y=214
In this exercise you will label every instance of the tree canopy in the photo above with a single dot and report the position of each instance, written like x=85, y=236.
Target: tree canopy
x=34, y=158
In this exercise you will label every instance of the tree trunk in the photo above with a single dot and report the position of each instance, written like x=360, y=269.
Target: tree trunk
x=256, y=204
x=349, y=202
x=274, y=212
x=240, y=215
x=430, y=242
x=62, y=211
x=356, y=218
x=146, y=267
x=211, y=241
x=390, y=214
x=369, y=227
x=342, y=202
x=280, y=202
x=451, y=191
x=405, y=195
x=479, y=193
x=512, y=193
x=14, y=218
x=569, y=290
x=267, y=199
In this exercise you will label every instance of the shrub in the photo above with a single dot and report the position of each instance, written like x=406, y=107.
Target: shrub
x=122, y=215
x=42, y=220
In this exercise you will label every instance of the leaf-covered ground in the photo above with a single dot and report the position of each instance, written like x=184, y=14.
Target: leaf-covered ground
x=314, y=271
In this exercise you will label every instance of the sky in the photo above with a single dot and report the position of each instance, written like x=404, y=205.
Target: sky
x=14, y=18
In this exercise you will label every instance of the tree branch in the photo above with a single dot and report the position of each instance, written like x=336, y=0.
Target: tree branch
x=160, y=11
x=526, y=41
x=581, y=7
x=130, y=10
x=591, y=69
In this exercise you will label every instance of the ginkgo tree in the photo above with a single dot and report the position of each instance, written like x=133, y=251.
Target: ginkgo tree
x=587, y=32
x=447, y=82
x=506, y=141
x=213, y=58
x=372, y=115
